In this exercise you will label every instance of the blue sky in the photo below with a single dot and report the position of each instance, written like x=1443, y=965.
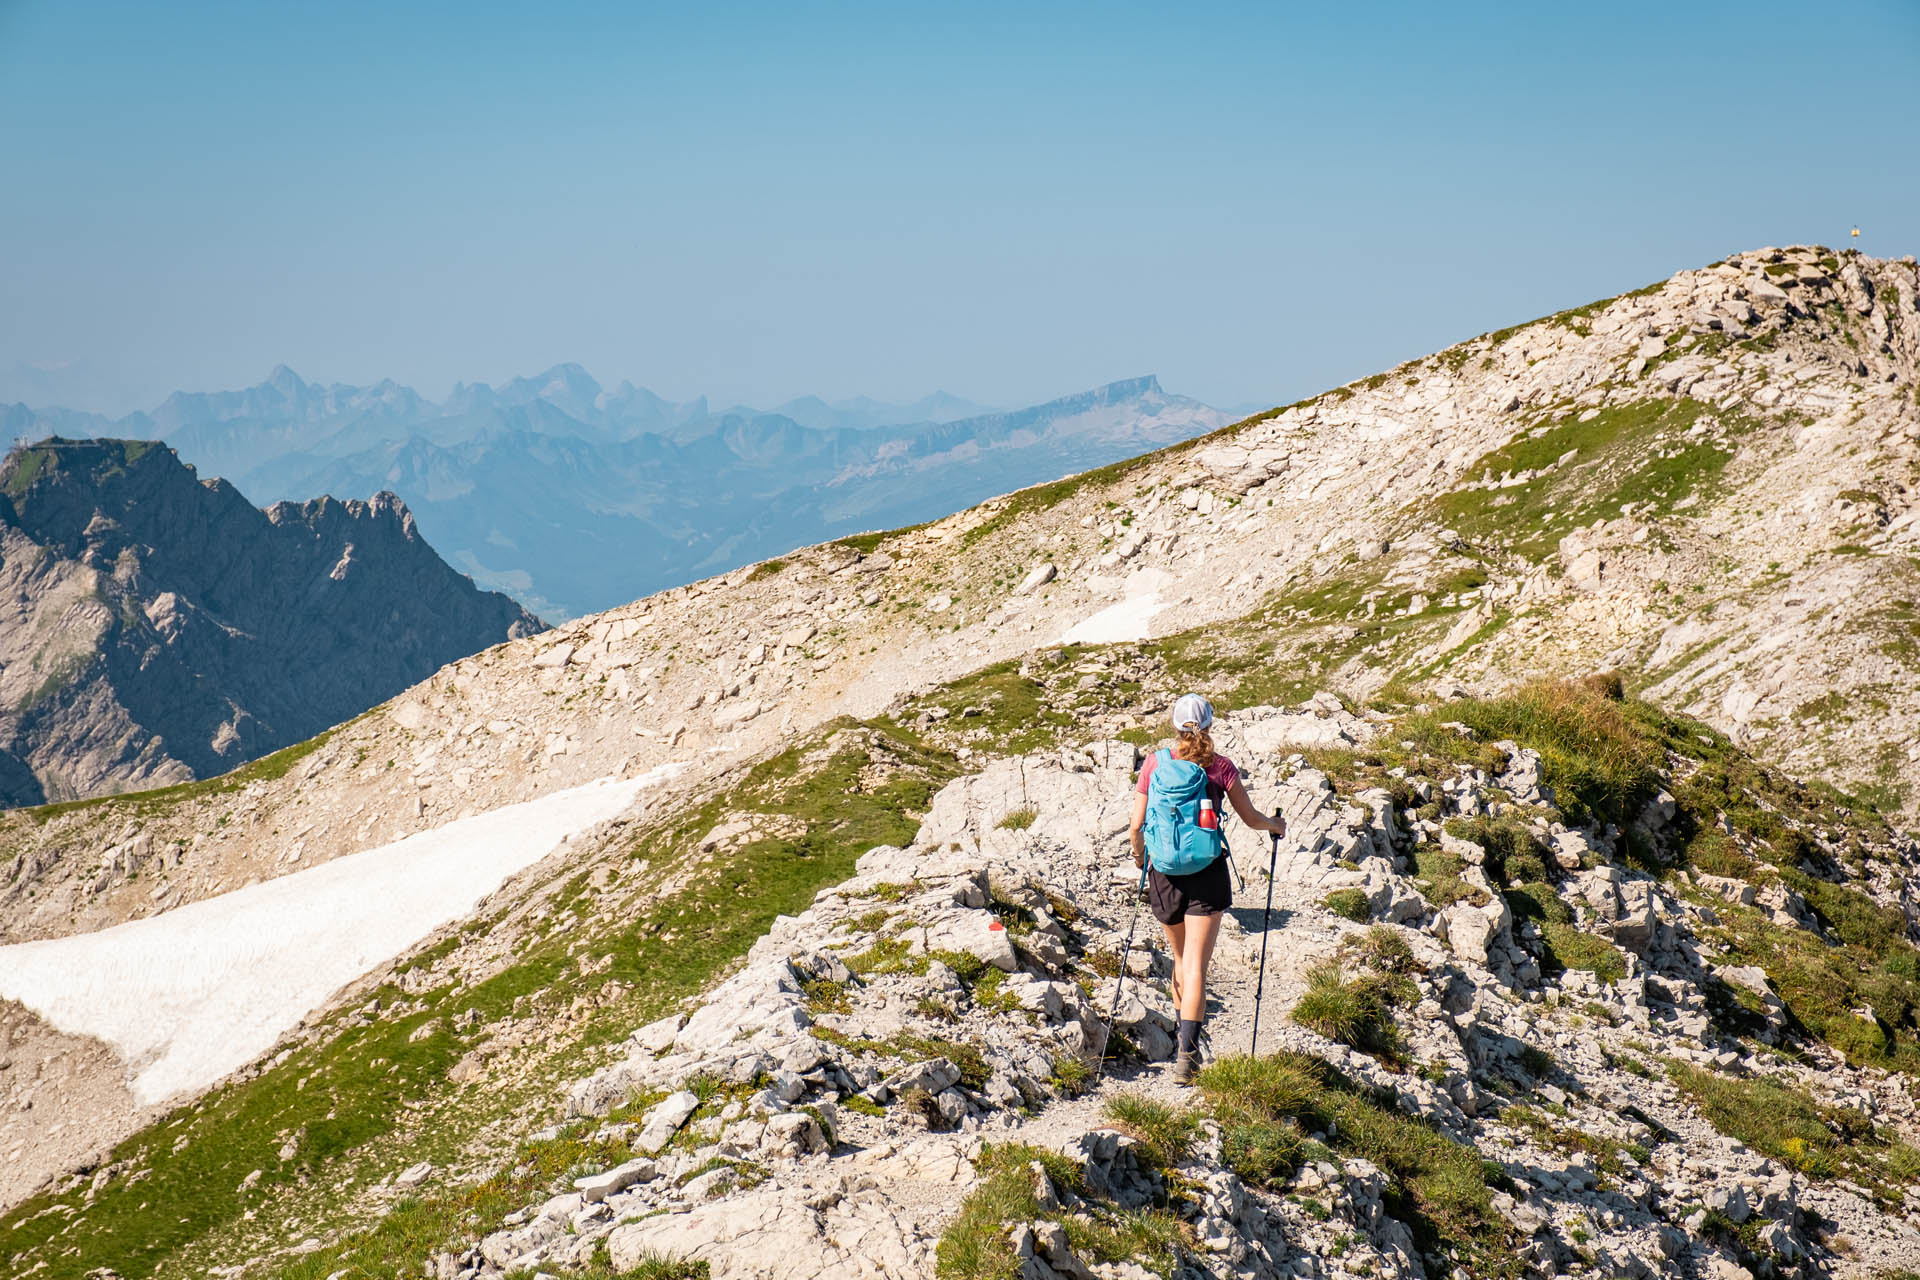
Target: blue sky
x=1009, y=202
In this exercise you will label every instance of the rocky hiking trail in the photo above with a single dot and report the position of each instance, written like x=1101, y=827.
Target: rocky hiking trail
x=897, y=1082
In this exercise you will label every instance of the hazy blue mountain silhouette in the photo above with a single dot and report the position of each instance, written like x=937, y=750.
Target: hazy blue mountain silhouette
x=574, y=497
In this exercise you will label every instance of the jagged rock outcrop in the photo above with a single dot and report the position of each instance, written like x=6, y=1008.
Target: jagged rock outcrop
x=158, y=629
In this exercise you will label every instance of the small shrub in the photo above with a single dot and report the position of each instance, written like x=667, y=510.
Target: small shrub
x=936, y=1008
x=916, y=1101
x=1165, y=1133
x=1352, y=904
x=1538, y=1062
x=827, y=996
x=1071, y=1075
x=1018, y=819
x=1383, y=949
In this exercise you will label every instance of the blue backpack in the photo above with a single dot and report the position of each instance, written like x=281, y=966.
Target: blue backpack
x=1177, y=845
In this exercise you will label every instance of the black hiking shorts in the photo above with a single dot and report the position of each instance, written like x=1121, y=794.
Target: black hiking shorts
x=1207, y=892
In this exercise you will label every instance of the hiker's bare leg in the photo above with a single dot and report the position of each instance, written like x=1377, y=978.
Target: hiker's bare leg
x=1176, y=939
x=1190, y=966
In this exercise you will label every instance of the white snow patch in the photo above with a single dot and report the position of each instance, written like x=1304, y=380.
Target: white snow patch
x=190, y=995
x=1130, y=619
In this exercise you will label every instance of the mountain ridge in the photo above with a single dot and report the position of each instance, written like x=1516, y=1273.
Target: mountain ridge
x=166, y=629
x=1570, y=979
x=512, y=483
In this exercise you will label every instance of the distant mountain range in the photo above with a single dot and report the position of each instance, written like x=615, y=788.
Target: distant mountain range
x=156, y=628
x=574, y=498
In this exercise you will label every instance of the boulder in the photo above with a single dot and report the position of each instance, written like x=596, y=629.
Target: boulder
x=792, y=1135
x=934, y=1076
x=597, y=1187
x=978, y=933
x=763, y=998
x=1037, y=578
x=657, y=1037
x=1468, y=931
x=664, y=1120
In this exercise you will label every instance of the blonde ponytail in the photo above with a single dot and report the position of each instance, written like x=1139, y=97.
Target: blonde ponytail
x=1194, y=746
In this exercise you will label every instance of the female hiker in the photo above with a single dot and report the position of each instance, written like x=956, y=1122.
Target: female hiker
x=1176, y=835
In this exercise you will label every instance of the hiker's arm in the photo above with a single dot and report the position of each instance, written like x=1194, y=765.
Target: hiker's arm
x=1139, y=837
x=1252, y=816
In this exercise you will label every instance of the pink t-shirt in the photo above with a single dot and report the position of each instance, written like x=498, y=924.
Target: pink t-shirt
x=1221, y=772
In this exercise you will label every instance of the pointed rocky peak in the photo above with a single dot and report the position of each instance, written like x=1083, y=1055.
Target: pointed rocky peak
x=568, y=387
x=284, y=380
x=471, y=397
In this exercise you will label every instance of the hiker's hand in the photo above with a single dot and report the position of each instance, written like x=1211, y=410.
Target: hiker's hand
x=1139, y=860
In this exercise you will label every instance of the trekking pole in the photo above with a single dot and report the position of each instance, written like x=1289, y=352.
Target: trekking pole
x=1106, y=1037
x=1266, y=923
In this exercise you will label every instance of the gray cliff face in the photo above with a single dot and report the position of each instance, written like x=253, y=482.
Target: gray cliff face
x=155, y=628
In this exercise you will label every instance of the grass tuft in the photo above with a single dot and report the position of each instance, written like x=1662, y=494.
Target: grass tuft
x=1165, y=1133
x=1356, y=1012
x=1350, y=904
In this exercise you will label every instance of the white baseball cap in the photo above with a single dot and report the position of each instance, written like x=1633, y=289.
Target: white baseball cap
x=1191, y=711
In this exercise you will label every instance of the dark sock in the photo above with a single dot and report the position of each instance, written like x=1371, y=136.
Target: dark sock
x=1189, y=1035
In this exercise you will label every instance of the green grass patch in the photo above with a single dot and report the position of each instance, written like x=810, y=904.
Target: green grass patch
x=1268, y=1106
x=1784, y=1122
x=976, y=1244
x=1019, y=819
x=1165, y=1133
x=1596, y=751
x=1563, y=944
x=1513, y=853
x=1012, y=710
x=268, y=768
x=1613, y=1160
x=1357, y=1011
x=1638, y=453
x=1437, y=872
x=1350, y=904
x=1826, y=986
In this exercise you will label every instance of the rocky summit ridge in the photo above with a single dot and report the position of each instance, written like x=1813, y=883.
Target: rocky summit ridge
x=161, y=629
x=1567, y=976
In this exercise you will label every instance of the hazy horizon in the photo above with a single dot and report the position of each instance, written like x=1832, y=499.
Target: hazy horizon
x=1005, y=202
